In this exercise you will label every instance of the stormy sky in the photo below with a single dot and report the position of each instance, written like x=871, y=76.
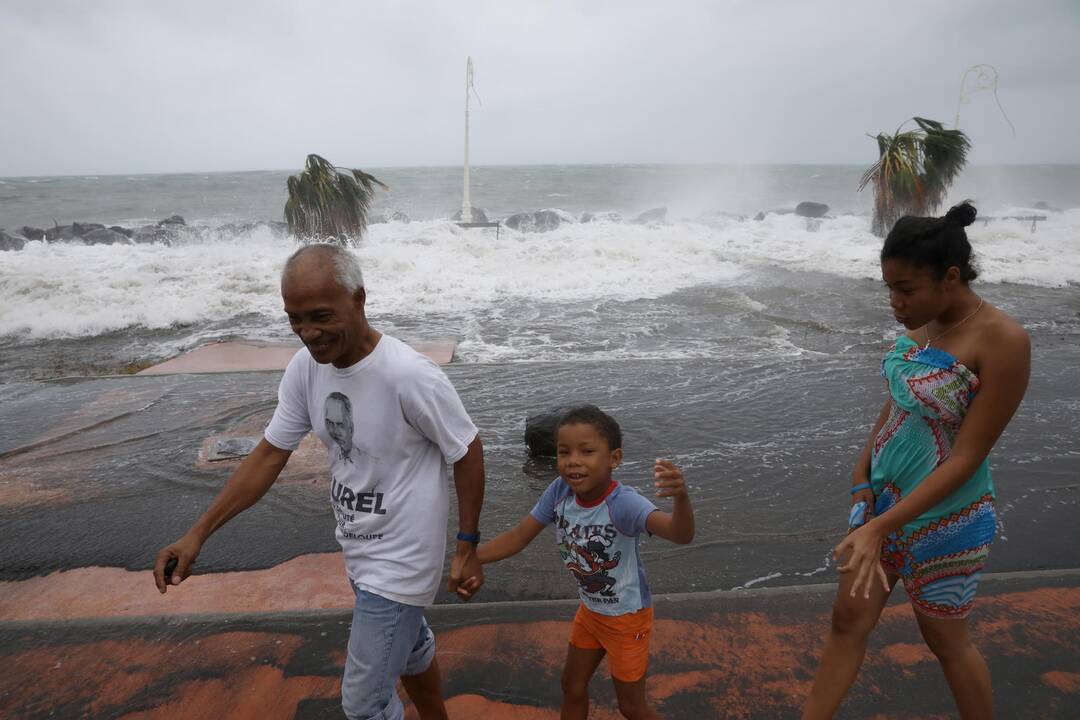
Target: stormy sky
x=125, y=87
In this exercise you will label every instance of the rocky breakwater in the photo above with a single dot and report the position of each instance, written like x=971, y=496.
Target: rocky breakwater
x=168, y=231
x=538, y=221
x=541, y=221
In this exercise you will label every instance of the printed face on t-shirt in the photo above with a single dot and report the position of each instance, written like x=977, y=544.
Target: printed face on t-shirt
x=339, y=422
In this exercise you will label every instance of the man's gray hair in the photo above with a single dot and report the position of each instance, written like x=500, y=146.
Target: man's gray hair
x=346, y=267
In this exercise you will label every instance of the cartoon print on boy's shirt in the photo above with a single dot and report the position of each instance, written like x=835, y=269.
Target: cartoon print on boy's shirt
x=588, y=560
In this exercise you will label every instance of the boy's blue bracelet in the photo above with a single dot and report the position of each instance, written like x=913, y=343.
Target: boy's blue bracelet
x=860, y=487
x=467, y=537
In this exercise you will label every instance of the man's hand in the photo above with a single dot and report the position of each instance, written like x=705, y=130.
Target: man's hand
x=466, y=572
x=181, y=554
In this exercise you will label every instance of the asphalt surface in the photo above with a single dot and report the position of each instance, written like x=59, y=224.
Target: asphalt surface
x=734, y=654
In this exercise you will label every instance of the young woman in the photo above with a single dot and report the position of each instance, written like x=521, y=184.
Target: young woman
x=954, y=380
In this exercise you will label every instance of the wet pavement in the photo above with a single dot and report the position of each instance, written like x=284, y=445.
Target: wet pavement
x=735, y=654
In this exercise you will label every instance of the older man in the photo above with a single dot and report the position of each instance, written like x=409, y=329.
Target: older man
x=390, y=421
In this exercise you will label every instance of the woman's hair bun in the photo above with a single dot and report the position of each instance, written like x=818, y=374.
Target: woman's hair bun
x=962, y=214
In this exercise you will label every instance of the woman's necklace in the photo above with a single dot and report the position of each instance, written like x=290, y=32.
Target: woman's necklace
x=952, y=327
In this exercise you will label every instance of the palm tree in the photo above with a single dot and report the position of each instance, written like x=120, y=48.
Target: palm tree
x=914, y=171
x=326, y=203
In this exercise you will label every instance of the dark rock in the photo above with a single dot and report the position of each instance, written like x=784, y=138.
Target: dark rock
x=811, y=209
x=172, y=220
x=613, y=217
x=539, y=221
x=187, y=233
x=540, y=431
x=60, y=232
x=655, y=215
x=546, y=220
x=105, y=236
x=32, y=233
x=81, y=229
x=1039, y=205
x=517, y=220
x=760, y=216
x=478, y=215
x=126, y=232
x=11, y=242
x=151, y=234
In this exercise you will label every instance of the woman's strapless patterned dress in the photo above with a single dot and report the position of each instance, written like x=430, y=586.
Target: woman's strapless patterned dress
x=940, y=555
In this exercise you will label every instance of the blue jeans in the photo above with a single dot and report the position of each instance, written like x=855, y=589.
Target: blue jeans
x=387, y=640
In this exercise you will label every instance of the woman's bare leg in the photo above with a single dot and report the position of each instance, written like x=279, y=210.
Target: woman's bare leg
x=965, y=669
x=852, y=620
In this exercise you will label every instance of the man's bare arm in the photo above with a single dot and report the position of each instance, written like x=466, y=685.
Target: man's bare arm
x=469, y=482
x=245, y=487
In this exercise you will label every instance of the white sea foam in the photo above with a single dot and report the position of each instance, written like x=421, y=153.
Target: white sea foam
x=66, y=290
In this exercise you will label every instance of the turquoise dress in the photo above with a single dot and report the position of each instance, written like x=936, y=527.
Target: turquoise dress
x=939, y=555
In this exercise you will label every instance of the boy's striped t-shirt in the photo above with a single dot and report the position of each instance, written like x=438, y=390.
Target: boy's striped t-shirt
x=598, y=542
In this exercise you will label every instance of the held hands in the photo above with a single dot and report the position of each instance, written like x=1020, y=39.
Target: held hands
x=466, y=572
x=669, y=480
x=173, y=563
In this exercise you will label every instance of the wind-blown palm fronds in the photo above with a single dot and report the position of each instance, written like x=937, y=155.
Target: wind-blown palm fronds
x=326, y=203
x=914, y=171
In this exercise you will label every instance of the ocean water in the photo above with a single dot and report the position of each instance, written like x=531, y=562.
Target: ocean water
x=745, y=350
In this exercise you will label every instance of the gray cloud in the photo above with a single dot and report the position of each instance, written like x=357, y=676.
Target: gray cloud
x=162, y=87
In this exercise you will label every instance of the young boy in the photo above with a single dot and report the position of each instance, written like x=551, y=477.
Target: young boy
x=597, y=524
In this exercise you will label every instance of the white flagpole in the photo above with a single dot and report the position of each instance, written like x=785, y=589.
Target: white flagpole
x=466, y=204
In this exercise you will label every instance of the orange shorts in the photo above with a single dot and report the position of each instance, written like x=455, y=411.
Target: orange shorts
x=625, y=638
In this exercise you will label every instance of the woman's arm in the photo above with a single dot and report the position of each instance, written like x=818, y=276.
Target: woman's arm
x=1004, y=379
x=861, y=474
x=510, y=542
x=678, y=525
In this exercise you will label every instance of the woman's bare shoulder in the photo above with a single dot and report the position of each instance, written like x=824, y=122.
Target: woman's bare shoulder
x=1004, y=331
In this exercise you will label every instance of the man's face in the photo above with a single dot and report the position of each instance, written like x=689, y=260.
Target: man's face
x=338, y=422
x=327, y=319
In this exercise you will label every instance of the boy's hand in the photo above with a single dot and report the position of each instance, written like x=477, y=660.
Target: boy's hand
x=669, y=480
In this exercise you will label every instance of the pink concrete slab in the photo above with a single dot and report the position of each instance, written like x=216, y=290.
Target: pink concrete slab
x=246, y=357
x=308, y=582
x=308, y=464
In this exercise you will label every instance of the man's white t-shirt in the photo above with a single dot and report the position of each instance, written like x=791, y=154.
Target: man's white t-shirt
x=390, y=424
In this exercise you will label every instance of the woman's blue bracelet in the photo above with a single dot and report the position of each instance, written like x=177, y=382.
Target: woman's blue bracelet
x=860, y=487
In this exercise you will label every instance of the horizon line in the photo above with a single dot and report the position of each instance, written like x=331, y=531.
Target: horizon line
x=512, y=165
